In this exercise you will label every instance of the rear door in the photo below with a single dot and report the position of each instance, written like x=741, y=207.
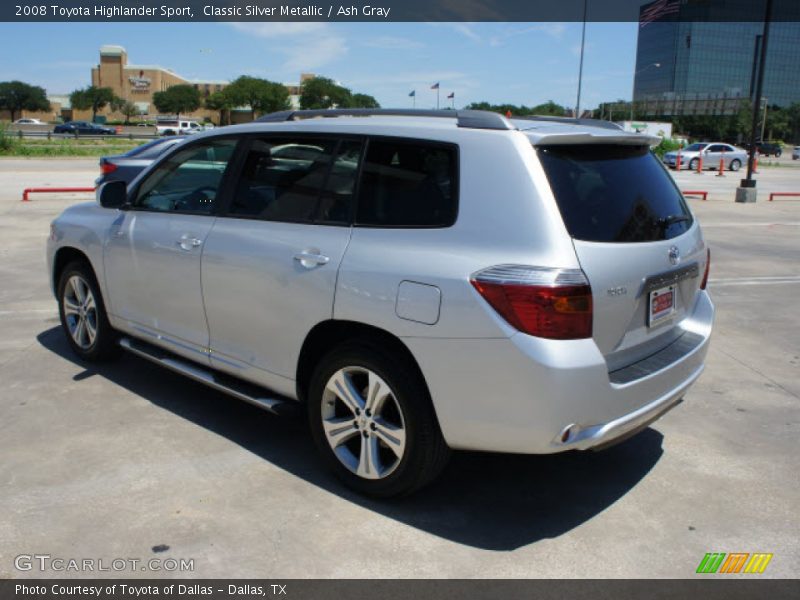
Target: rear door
x=270, y=263
x=636, y=241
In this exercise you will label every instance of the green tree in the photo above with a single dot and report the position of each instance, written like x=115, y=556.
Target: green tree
x=128, y=109
x=321, y=92
x=222, y=102
x=16, y=96
x=92, y=98
x=363, y=101
x=261, y=95
x=177, y=99
x=549, y=108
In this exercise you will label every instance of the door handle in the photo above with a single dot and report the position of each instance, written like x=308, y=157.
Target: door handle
x=311, y=259
x=188, y=242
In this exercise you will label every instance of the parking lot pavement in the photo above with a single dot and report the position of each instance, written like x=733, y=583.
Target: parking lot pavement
x=112, y=461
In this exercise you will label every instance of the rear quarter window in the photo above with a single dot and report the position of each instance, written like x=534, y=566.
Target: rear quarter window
x=614, y=193
x=408, y=184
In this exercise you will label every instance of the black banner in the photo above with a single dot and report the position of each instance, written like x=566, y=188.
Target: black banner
x=392, y=10
x=734, y=588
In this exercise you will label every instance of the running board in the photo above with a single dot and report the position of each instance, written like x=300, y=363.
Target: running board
x=218, y=381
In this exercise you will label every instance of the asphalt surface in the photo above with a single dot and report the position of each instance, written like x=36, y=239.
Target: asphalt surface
x=126, y=460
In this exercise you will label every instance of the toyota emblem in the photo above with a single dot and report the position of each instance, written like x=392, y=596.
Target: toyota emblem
x=674, y=255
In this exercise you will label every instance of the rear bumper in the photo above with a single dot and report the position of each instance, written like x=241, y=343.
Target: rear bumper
x=535, y=396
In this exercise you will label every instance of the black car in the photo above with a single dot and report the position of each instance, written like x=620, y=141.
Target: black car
x=84, y=128
x=125, y=167
x=768, y=149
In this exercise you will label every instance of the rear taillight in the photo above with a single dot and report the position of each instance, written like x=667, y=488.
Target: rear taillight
x=107, y=167
x=708, y=266
x=547, y=303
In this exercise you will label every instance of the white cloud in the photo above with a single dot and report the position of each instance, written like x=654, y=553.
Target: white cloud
x=303, y=46
x=388, y=42
x=274, y=30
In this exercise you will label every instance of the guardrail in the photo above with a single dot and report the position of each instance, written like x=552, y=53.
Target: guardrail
x=82, y=136
x=782, y=194
x=53, y=190
x=702, y=194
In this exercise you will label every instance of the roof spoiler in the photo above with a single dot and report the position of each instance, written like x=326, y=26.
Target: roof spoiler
x=471, y=119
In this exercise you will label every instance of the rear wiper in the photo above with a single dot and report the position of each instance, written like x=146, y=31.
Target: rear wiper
x=671, y=220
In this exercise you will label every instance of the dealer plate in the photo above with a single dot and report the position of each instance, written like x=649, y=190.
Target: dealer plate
x=661, y=305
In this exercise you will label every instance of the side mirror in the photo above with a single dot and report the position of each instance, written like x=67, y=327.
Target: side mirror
x=112, y=194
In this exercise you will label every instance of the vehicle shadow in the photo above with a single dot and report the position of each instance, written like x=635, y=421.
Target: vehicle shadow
x=489, y=501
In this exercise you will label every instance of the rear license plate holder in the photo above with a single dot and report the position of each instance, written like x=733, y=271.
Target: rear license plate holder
x=660, y=305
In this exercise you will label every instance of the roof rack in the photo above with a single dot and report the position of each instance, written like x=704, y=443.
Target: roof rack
x=570, y=121
x=472, y=119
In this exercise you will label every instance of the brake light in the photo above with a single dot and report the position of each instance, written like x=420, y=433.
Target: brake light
x=708, y=267
x=107, y=167
x=548, y=303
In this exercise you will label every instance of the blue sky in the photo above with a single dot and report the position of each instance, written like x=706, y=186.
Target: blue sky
x=521, y=63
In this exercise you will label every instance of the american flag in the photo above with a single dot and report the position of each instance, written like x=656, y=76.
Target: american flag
x=656, y=10
x=435, y=86
x=451, y=95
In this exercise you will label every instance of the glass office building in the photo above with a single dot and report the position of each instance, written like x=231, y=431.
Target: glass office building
x=702, y=54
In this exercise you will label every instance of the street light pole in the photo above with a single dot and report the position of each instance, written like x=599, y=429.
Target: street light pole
x=580, y=68
x=747, y=192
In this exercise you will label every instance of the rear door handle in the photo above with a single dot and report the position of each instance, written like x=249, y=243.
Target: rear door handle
x=312, y=258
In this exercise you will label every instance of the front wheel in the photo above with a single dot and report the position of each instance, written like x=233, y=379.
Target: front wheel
x=736, y=164
x=373, y=422
x=83, y=314
x=777, y=153
x=693, y=164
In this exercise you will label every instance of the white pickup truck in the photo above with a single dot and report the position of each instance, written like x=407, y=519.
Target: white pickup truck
x=178, y=127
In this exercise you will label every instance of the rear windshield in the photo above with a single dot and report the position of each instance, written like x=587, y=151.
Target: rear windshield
x=613, y=193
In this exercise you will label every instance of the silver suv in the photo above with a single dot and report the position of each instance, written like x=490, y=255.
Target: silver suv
x=420, y=281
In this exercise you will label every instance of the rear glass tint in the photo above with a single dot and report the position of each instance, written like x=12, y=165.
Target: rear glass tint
x=614, y=193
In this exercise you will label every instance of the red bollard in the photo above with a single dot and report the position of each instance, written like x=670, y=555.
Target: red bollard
x=678, y=161
x=699, y=165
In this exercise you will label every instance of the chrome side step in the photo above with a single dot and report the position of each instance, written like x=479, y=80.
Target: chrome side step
x=218, y=381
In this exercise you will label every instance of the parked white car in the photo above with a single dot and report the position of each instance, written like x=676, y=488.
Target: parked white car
x=28, y=122
x=421, y=280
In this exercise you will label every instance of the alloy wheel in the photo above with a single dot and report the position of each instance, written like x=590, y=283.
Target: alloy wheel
x=363, y=422
x=80, y=312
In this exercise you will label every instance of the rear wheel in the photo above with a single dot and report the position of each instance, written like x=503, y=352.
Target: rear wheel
x=736, y=164
x=83, y=314
x=778, y=153
x=373, y=422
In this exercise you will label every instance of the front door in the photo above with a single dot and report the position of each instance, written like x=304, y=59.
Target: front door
x=153, y=251
x=271, y=259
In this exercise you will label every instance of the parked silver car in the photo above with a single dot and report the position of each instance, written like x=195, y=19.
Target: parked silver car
x=733, y=158
x=796, y=153
x=421, y=280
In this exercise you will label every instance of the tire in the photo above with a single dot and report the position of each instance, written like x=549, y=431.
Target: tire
x=778, y=153
x=735, y=165
x=693, y=164
x=407, y=447
x=82, y=311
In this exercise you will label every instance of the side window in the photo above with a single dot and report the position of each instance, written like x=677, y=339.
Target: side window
x=298, y=180
x=408, y=184
x=188, y=181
